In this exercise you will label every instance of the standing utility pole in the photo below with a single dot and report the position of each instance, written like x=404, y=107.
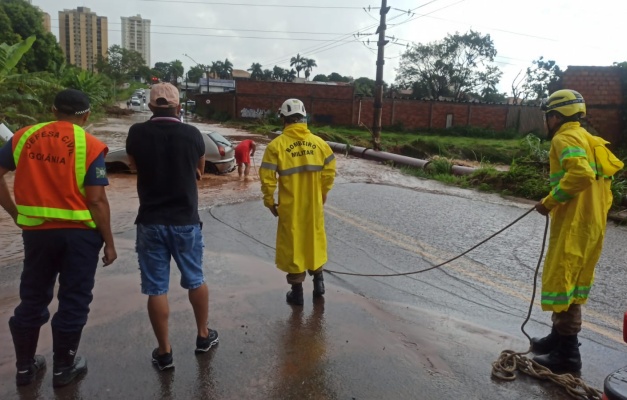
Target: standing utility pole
x=378, y=88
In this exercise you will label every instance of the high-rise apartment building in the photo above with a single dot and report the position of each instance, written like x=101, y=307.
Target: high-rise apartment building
x=136, y=36
x=46, y=21
x=83, y=37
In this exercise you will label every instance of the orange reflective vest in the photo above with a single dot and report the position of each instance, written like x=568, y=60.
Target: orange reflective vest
x=51, y=162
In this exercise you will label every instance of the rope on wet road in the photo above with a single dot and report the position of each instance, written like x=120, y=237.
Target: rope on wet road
x=509, y=361
x=435, y=266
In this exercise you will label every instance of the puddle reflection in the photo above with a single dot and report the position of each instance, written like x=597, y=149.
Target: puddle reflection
x=302, y=355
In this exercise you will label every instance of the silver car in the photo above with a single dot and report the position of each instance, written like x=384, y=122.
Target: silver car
x=219, y=156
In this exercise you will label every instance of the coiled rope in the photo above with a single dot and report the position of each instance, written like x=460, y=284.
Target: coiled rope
x=509, y=361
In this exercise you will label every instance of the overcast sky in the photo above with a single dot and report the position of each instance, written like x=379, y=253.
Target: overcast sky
x=575, y=32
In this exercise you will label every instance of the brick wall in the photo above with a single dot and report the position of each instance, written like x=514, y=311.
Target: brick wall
x=602, y=89
x=329, y=104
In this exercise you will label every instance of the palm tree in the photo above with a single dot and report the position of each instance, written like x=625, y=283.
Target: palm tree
x=267, y=75
x=278, y=73
x=256, y=72
x=309, y=64
x=227, y=69
x=297, y=62
x=216, y=69
x=290, y=75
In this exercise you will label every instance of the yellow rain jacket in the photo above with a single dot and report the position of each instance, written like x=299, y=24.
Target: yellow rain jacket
x=579, y=202
x=305, y=166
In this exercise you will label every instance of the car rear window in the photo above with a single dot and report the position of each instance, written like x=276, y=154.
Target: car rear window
x=219, y=139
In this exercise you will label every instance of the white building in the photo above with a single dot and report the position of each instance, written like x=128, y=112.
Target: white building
x=136, y=36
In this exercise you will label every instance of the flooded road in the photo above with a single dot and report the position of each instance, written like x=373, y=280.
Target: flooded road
x=424, y=336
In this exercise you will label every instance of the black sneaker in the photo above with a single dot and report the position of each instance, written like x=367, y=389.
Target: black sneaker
x=27, y=376
x=204, y=344
x=162, y=361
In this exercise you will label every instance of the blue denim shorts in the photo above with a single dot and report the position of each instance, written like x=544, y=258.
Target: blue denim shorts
x=157, y=244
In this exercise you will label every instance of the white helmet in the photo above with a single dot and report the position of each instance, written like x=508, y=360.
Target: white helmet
x=291, y=107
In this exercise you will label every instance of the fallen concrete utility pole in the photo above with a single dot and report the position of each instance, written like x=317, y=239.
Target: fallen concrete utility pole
x=370, y=154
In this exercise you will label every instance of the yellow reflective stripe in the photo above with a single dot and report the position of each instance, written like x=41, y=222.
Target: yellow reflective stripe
x=555, y=178
x=553, y=298
x=32, y=221
x=54, y=213
x=28, y=221
x=80, y=157
x=560, y=195
x=572, y=151
x=24, y=138
x=269, y=166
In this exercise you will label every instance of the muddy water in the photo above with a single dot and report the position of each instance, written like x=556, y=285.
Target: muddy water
x=214, y=189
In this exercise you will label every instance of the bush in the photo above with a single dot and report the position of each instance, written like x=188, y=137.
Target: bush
x=220, y=116
x=528, y=181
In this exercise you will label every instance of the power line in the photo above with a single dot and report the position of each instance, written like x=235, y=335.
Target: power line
x=319, y=48
x=332, y=41
x=253, y=4
x=231, y=29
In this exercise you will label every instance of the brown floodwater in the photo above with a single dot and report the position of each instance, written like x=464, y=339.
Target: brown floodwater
x=212, y=189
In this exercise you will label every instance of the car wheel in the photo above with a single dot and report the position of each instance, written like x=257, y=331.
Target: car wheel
x=210, y=167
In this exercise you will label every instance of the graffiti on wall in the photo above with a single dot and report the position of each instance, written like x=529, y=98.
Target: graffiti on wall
x=252, y=113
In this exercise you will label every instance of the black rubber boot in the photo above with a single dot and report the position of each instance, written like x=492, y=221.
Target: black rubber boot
x=28, y=364
x=546, y=344
x=295, y=296
x=565, y=357
x=67, y=366
x=318, y=283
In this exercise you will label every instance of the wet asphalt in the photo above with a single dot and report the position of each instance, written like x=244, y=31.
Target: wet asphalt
x=426, y=336
x=432, y=335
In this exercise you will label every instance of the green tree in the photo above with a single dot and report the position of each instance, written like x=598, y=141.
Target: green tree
x=20, y=20
x=20, y=93
x=216, y=69
x=176, y=71
x=162, y=71
x=267, y=75
x=455, y=66
x=121, y=64
x=335, y=77
x=256, y=72
x=320, y=78
x=196, y=72
x=289, y=76
x=227, y=70
x=297, y=62
x=542, y=78
x=278, y=73
x=365, y=86
x=95, y=85
x=309, y=64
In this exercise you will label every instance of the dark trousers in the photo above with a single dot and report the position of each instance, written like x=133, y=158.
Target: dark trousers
x=70, y=254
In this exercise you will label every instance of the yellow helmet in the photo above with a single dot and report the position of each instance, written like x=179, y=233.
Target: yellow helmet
x=566, y=102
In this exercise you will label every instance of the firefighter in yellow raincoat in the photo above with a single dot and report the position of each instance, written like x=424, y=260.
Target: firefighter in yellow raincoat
x=305, y=166
x=581, y=168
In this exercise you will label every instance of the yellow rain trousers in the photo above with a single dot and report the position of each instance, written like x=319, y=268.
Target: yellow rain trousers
x=579, y=202
x=305, y=166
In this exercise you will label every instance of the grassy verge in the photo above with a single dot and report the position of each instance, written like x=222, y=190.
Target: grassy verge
x=527, y=157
